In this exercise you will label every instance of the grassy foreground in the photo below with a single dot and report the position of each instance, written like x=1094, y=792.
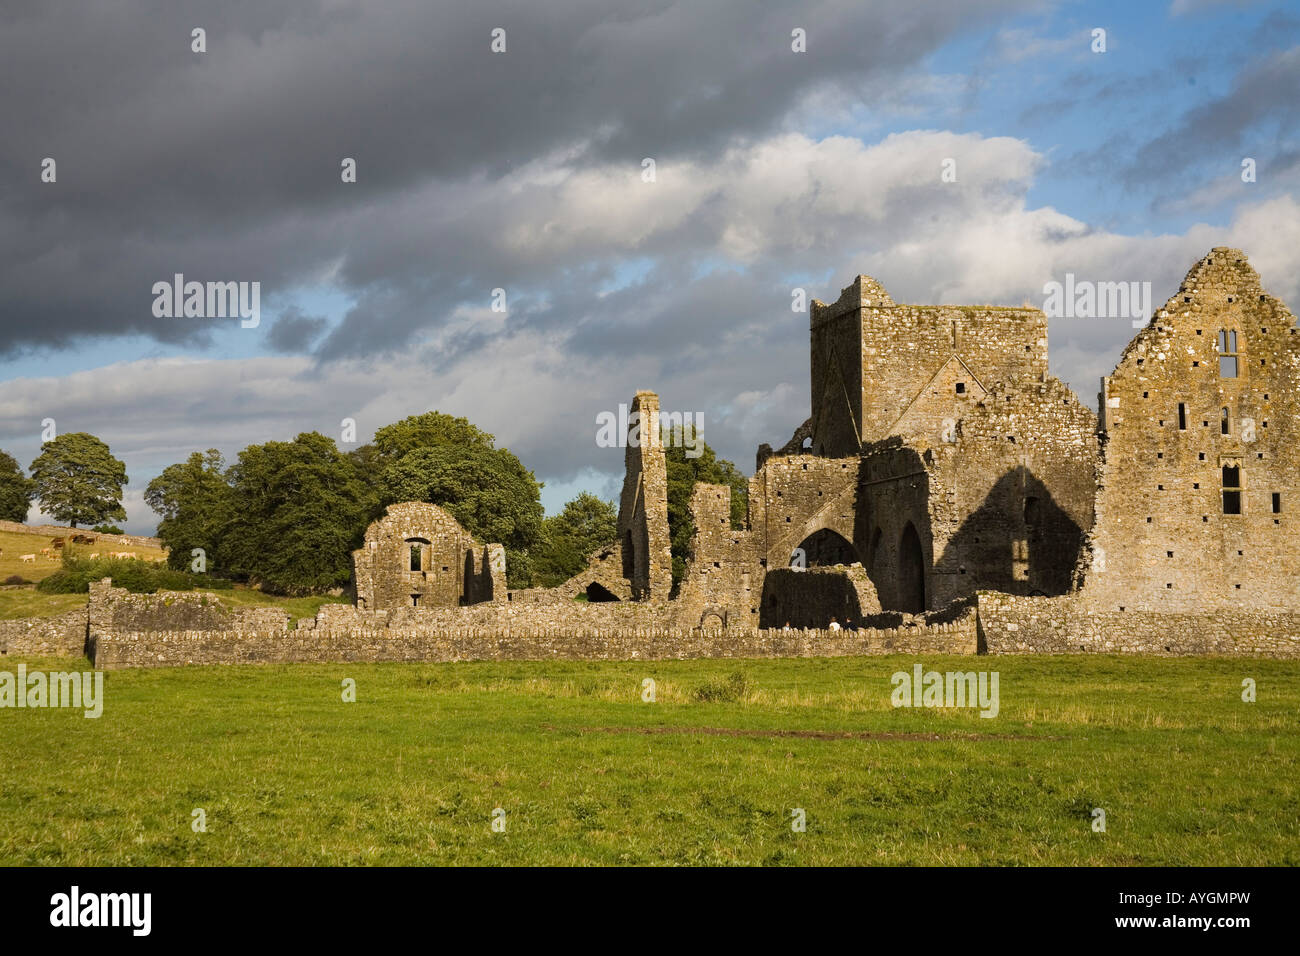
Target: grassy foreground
x=588, y=773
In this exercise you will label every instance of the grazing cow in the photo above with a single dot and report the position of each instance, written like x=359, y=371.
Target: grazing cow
x=46, y=553
x=82, y=539
x=27, y=557
x=57, y=542
x=94, y=555
x=124, y=554
x=123, y=540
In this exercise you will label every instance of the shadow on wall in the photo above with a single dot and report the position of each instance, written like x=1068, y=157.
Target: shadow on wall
x=892, y=527
x=826, y=548
x=1019, y=540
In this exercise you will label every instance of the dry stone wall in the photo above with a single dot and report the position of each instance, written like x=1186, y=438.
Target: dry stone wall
x=1072, y=624
x=62, y=636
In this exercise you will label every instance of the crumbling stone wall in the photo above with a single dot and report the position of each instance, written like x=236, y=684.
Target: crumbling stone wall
x=794, y=497
x=724, y=575
x=1164, y=538
x=418, y=554
x=601, y=580
x=61, y=636
x=646, y=549
x=1072, y=624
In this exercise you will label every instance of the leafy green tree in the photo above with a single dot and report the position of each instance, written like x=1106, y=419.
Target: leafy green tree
x=196, y=503
x=78, y=480
x=683, y=473
x=300, y=510
x=488, y=490
x=16, y=489
x=430, y=430
x=568, y=539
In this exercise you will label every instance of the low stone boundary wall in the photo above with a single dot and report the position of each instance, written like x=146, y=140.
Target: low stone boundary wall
x=62, y=636
x=434, y=642
x=1067, y=625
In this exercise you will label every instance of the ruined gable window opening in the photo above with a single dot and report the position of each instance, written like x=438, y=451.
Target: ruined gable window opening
x=1225, y=428
x=1227, y=353
x=415, y=558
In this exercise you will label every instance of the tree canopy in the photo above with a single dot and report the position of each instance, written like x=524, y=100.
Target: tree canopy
x=16, y=489
x=78, y=480
x=196, y=503
x=568, y=539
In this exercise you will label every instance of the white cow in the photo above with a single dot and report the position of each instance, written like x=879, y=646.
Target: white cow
x=27, y=557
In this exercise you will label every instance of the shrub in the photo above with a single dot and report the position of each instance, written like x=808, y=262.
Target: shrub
x=723, y=690
x=108, y=529
x=140, y=577
x=16, y=579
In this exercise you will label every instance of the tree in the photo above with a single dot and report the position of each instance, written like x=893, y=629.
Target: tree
x=488, y=490
x=568, y=539
x=683, y=473
x=16, y=489
x=196, y=503
x=300, y=509
x=432, y=429
x=78, y=479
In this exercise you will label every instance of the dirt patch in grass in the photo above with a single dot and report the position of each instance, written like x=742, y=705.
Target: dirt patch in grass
x=802, y=734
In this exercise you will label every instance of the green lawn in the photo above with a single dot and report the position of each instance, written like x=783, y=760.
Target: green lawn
x=29, y=602
x=588, y=773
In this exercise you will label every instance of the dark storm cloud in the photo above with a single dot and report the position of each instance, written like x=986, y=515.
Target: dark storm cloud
x=294, y=331
x=225, y=165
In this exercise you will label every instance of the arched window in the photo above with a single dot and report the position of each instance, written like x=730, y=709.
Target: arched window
x=1225, y=428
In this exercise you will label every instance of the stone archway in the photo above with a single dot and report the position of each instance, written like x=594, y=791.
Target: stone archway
x=713, y=617
x=911, y=571
x=827, y=547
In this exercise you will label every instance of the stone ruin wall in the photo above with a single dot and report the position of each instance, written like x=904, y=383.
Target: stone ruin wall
x=1162, y=540
x=809, y=597
x=1072, y=624
x=165, y=630
x=643, y=505
x=880, y=369
x=454, y=570
x=724, y=575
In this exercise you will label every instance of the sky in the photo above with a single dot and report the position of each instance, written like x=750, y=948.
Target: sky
x=524, y=170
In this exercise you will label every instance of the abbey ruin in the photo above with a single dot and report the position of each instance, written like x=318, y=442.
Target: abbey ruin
x=946, y=493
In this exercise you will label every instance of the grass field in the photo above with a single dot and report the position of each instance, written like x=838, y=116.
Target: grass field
x=15, y=544
x=588, y=773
